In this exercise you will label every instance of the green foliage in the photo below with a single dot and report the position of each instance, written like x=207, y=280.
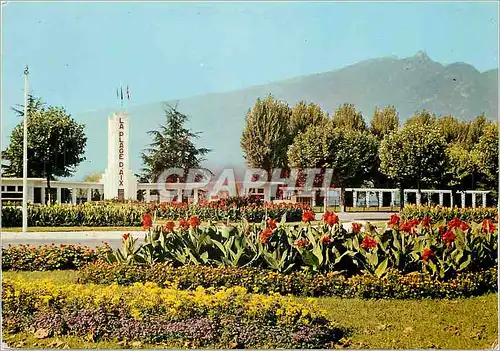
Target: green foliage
x=485, y=156
x=453, y=130
x=438, y=213
x=305, y=115
x=266, y=135
x=414, y=155
x=301, y=283
x=423, y=117
x=475, y=131
x=460, y=167
x=56, y=143
x=384, y=121
x=351, y=154
x=49, y=257
x=107, y=214
x=347, y=118
x=172, y=147
x=323, y=248
x=66, y=215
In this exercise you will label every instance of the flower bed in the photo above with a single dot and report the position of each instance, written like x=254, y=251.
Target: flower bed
x=48, y=257
x=438, y=213
x=66, y=215
x=226, y=318
x=393, y=285
x=232, y=209
x=104, y=214
x=439, y=248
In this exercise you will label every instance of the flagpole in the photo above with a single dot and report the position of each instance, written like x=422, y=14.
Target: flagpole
x=25, y=153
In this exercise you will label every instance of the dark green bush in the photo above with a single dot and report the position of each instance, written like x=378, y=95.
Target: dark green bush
x=393, y=285
x=437, y=213
x=49, y=257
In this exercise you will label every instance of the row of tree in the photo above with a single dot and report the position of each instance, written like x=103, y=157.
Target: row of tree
x=425, y=151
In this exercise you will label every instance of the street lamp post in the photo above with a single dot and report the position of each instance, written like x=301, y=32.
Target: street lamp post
x=25, y=153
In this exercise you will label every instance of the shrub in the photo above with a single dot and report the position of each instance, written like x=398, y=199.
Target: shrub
x=393, y=285
x=148, y=313
x=67, y=215
x=49, y=257
x=104, y=214
x=437, y=213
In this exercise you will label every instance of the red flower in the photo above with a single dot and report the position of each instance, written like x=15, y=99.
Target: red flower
x=449, y=237
x=147, y=222
x=125, y=237
x=194, y=222
x=409, y=226
x=454, y=223
x=394, y=221
x=271, y=223
x=427, y=254
x=368, y=243
x=325, y=239
x=426, y=222
x=169, y=226
x=307, y=216
x=330, y=218
x=356, y=227
x=184, y=224
x=464, y=226
x=265, y=235
x=302, y=242
x=488, y=226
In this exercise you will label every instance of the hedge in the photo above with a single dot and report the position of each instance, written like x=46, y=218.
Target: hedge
x=224, y=318
x=438, y=213
x=106, y=214
x=49, y=257
x=393, y=285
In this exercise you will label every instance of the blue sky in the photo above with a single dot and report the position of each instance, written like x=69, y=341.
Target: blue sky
x=78, y=53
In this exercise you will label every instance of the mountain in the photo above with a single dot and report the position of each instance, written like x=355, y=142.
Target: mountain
x=410, y=84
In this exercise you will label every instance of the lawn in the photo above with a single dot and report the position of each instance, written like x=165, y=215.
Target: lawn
x=377, y=324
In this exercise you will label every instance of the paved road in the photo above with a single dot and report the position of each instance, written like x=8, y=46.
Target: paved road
x=91, y=239
x=96, y=238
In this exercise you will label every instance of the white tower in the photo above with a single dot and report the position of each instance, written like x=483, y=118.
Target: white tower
x=119, y=181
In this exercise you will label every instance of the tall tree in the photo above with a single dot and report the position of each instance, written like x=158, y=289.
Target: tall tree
x=415, y=155
x=56, y=143
x=172, y=147
x=421, y=117
x=351, y=154
x=384, y=121
x=304, y=115
x=475, y=131
x=453, y=130
x=347, y=117
x=485, y=157
x=460, y=168
x=266, y=135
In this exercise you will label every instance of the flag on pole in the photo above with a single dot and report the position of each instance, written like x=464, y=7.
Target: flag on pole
x=128, y=93
x=121, y=93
